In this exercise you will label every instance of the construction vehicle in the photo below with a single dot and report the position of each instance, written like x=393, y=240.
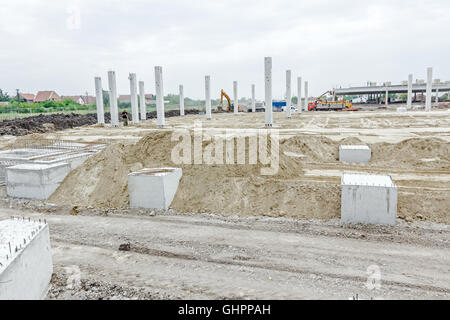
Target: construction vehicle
x=321, y=104
x=230, y=106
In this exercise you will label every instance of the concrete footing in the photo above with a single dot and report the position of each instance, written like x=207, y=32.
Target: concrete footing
x=354, y=153
x=401, y=109
x=34, y=180
x=370, y=199
x=71, y=152
x=153, y=188
x=25, y=259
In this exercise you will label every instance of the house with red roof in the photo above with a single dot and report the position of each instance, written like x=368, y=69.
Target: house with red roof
x=42, y=96
x=28, y=97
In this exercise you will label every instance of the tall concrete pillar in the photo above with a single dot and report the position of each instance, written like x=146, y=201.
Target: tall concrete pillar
x=288, y=93
x=253, y=99
x=429, y=87
x=437, y=95
x=181, y=100
x=299, y=94
x=306, y=96
x=386, y=98
x=208, y=97
x=235, y=95
x=268, y=90
x=133, y=97
x=99, y=100
x=409, y=101
x=159, y=97
x=142, y=101
x=114, y=111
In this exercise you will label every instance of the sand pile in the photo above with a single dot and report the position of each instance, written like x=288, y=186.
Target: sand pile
x=237, y=189
x=416, y=152
x=226, y=189
x=312, y=148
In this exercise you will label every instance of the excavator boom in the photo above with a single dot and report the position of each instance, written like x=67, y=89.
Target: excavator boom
x=223, y=94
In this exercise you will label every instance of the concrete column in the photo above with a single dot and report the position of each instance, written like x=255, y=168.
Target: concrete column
x=409, y=101
x=299, y=94
x=142, y=101
x=208, y=97
x=99, y=100
x=437, y=95
x=159, y=97
x=253, y=99
x=306, y=96
x=113, y=98
x=429, y=87
x=235, y=95
x=288, y=93
x=181, y=100
x=133, y=97
x=386, y=98
x=268, y=90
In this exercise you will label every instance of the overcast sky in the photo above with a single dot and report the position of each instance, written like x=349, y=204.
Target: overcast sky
x=61, y=45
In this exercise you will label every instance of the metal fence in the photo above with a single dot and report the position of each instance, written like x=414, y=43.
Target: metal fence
x=51, y=144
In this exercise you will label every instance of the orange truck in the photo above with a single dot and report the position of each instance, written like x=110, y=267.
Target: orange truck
x=324, y=105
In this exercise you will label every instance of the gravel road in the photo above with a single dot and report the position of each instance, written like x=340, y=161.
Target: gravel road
x=170, y=256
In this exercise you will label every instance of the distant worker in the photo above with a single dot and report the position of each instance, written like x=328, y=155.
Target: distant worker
x=125, y=118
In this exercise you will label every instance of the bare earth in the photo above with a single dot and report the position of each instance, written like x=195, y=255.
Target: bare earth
x=212, y=257
x=413, y=148
x=232, y=233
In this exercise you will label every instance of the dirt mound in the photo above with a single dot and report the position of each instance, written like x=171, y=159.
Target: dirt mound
x=59, y=121
x=241, y=189
x=45, y=123
x=226, y=189
x=313, y=148
x=414, y=152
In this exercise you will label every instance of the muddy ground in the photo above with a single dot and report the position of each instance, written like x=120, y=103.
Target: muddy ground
x=56, y=122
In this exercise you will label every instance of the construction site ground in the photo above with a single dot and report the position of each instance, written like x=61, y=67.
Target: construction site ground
x=170, y=256
x=291, y=245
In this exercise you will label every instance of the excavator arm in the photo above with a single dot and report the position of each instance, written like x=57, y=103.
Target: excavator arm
x=223, y=94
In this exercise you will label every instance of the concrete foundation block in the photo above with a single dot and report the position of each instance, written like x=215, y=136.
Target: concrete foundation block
x=153, y=188
x=74, y=160
x=368, y=198
x=401, y=109
x=26, y=268
x=34, y=180
x=354, y=153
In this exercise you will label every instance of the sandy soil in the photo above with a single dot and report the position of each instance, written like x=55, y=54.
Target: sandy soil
x=307, y=185
x=127, y=255
x=273, y=237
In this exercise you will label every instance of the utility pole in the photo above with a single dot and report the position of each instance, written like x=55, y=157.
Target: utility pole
x=18, y=96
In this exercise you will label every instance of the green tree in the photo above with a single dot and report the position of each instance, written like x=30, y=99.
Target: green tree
x=4, y=96
x=106, y=98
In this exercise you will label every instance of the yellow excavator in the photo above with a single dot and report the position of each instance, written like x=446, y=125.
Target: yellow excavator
x=230, y=106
